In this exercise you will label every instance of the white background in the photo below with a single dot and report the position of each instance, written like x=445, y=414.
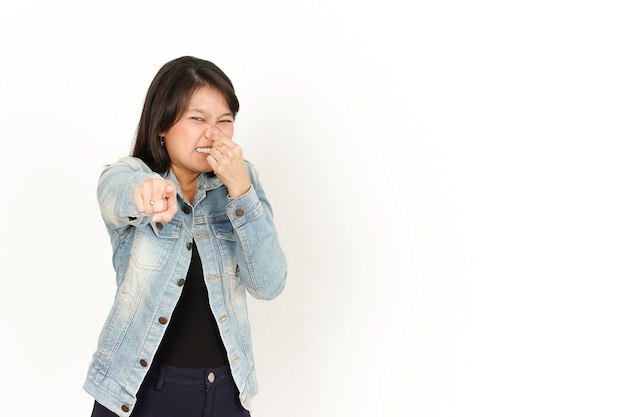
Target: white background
x=447, y=178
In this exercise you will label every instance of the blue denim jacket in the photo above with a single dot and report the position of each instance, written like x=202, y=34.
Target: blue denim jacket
x=238, y=244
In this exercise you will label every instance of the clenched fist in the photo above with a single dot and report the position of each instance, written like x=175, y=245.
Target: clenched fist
x=156, y=196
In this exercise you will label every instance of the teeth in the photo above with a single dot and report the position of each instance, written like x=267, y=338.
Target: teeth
x=203, y=150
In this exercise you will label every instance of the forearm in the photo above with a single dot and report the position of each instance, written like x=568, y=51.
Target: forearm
x=115, y=193
x=261, y=260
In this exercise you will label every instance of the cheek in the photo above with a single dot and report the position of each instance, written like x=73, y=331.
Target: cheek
x=227, y=130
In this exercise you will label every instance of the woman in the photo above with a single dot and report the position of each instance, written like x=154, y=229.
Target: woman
x=191, y=232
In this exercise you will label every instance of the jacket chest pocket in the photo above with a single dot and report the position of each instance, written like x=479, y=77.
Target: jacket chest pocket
x=154, y=243
x=226, y=243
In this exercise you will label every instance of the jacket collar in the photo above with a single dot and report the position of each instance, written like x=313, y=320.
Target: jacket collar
x=206, y=182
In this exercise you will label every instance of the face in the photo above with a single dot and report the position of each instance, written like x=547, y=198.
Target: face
x=205, y=121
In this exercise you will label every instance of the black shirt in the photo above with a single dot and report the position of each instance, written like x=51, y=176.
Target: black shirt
x=192, y=339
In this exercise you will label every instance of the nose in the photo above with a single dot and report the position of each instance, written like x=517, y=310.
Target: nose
x=212, y=130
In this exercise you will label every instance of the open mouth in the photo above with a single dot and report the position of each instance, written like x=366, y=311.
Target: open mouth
x=203, y=150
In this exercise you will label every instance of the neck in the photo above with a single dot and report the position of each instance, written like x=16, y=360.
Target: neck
x=188, y=184
x=189, y=191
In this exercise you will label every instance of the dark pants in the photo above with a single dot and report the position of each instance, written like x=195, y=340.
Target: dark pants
x=183, y=392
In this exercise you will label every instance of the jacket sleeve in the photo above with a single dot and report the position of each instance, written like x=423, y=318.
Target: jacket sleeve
x=261, y=261
x=115, y=193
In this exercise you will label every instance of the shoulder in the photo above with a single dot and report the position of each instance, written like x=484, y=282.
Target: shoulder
x=252, y=171
x=129, y=162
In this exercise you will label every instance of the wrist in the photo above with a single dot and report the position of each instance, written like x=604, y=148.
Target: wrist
x=239, y=191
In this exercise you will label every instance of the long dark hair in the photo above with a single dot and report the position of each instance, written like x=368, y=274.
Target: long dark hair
x=168, y=97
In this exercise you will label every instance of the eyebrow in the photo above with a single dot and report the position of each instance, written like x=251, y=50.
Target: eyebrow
x=202, y=111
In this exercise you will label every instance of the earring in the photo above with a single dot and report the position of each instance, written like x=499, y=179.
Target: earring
x=161, y=139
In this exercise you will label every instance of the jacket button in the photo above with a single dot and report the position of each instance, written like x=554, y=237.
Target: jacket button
x=186, y=209
x=239, y=212
x=159, y=226
x=181, y=282
x=125, y=408
x=143, y=363
x=162, y=320
x=189, y=245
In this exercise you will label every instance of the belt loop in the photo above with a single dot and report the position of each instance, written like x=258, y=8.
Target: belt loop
x=160, y=378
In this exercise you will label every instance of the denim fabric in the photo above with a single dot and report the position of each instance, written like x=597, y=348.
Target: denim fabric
x=240, y=252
